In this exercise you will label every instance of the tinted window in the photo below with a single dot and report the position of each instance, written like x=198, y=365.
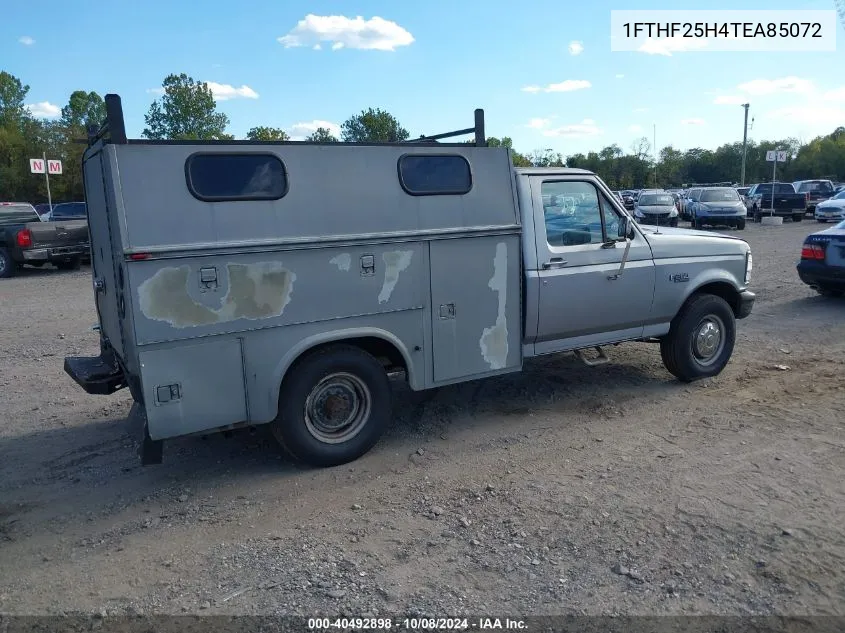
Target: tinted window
x=236, y=177
x=815, y=185
x=69, y=210
x=839, y=196
x=432, y=175
x=719, y=195
x=656, y=200
x=14, y=213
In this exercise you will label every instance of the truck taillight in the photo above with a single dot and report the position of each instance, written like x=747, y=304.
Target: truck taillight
x=24, y=238
x=812, y=251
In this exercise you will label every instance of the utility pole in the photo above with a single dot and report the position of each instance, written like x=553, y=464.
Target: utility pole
x=654, y=138
x=744, y=144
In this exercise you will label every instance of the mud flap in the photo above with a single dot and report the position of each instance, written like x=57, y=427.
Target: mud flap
x=150, y=451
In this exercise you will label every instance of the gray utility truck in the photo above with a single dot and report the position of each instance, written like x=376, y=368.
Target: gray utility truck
x=245, y=283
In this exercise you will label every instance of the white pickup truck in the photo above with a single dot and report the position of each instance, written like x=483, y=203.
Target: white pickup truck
x=281, y=283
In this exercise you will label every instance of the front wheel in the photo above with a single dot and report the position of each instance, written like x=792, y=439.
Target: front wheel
x=700, y=340
x=673, y=223
x=334, y=406
x=798, y=217
x=740, y=225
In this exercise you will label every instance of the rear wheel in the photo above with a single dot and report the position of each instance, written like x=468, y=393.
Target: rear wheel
x=701, y=338
x=740, y=225
x=798, y=217
x=829, y=292
x=7, y=266
x=822, y=221
x=334, y=406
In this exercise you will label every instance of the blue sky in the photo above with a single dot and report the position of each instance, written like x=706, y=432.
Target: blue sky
x=447, y=58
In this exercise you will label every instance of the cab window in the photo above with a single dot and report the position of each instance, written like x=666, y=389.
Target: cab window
x=573, y=214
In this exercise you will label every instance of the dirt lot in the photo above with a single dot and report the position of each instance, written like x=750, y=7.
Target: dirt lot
x=564, y=489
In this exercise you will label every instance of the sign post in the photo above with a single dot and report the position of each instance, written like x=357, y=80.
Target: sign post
x=46, y=167
x=775, y=157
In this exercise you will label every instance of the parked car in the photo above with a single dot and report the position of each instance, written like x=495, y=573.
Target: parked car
x=717, y=206
x=686, y=202
x=628, y=199
x=817, y=191
x=831, y=210
x=822, y=265
x=25, y=238
x=253, y=320
x=656, y=207
x=71, y=211
x=783, y=203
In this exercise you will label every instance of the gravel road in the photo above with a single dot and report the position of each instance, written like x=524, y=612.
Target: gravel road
x=563, y=489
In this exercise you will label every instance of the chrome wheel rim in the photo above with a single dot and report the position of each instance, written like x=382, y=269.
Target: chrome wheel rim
x=2, y=264
x=708, y=340
x=337, y=408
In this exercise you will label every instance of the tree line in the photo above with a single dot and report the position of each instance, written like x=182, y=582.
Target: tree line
x=187, y=110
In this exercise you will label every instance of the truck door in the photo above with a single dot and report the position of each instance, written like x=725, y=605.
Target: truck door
x=580, y=301
x=108, y=277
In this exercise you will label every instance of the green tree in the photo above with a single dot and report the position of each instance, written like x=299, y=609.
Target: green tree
x=262, y=133
x=12, y=95
x=186, y=111
x=373, y=126
x=82, y=110
x=321, y=135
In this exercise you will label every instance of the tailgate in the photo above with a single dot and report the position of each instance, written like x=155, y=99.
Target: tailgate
x=59, y=233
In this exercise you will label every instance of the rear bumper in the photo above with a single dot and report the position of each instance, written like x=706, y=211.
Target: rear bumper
x=95, y=374
x=784, y=213
x=746, y=303
x=820, y=276
x=57, y=254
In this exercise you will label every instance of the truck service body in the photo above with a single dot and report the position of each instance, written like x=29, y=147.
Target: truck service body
x=245, y=283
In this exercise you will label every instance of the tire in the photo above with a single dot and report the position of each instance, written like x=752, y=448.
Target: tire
x=822, y=221
x=677, y=348
x=73, y=264
x=798, y=217
x=354, y=375
x=740, y=225
x=673, y=223
x=7, y=266
x=829, y=292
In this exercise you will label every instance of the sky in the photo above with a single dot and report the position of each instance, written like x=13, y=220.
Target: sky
x=543, y=71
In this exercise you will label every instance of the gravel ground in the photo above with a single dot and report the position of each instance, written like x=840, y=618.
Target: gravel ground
x=563, y=489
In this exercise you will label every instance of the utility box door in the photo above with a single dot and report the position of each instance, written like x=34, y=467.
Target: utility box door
x=475, y=306
x=191, y=388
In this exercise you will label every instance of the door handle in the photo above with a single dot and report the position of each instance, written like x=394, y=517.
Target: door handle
x=555, y=262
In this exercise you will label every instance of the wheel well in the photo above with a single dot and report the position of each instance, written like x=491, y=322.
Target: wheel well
x=384, y=351
x=721, y=289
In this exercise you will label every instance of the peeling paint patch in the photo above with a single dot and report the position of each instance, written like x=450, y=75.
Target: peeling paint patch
x=494, y=340
x=394, y=263
x=256, y=291
x=342, y=261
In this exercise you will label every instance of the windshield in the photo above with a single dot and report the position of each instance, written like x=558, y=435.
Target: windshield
x=656, y=200
x=15, y=213
x=743, y=190
x=69, y=210
x=816, y=185
x=719, y=195
x=839, y=196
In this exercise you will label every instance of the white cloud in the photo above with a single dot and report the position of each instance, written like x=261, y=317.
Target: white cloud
x=815, y=115
x=569, y=85
x=587, y=127
x=729, y=100
x=620, y=76
x=26, y=40
x=156, y=91
x=668, y=45
x=299, y=131
x=838, y=94
x=636, y=129
x=575, y=47
x=692, y=122
x=373, y=34
x=44, y=110
x=539, y=123
x=764, y=87
x=224, y=92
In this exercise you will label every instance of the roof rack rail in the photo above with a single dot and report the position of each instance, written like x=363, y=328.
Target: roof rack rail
x=114, y=125
x=477, y=129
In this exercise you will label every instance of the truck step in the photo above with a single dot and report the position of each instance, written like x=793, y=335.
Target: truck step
x=600, y=359
x=94, y=374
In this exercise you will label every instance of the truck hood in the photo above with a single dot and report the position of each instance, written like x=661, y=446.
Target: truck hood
x=672, y=242
x=832, y=204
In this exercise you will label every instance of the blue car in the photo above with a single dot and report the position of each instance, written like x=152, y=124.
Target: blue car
x=822, y=265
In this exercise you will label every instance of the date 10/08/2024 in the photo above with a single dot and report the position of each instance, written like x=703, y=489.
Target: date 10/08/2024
x=415, y=624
